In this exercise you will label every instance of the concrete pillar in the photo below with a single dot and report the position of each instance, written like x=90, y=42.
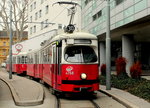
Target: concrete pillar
x=128, y=48
x=102, y=53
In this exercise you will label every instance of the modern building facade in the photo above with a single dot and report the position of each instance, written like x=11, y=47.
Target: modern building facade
x=45, y=16
x=130, y=29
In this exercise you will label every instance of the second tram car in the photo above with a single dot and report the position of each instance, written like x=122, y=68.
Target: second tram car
x=19, y=63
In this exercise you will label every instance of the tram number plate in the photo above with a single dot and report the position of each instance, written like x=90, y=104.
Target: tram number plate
x=69, y=73
x=83, y=88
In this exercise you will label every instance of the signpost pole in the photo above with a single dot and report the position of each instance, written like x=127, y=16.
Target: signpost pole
x=108, y=49
x=10, y=45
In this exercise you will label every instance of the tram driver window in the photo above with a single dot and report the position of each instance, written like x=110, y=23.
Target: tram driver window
x=80, y=54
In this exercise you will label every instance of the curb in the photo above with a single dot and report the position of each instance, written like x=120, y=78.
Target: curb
x=17, y=100
x=123, y=101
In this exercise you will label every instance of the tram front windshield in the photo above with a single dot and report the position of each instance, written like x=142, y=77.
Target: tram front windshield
x=80, y=54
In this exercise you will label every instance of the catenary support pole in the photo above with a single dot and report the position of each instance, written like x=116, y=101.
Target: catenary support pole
x=108, y=49
x=10, y=45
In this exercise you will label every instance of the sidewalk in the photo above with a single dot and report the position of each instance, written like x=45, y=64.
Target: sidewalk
x=24, y=91
x=127, y=99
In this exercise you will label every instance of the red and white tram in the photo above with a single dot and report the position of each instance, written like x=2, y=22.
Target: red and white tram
x=22, y=61
x=19, y=63
x=67, y=62
x=70, y=62
x=34, y=67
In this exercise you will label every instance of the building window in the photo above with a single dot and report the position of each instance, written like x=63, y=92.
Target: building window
x=46, y=9
x=128, y=12
x=34, y=5
x=140, y=5
x=40, y=13
x=30, y=18
x=87, y=1
x=46, y=23
x=36, y=16
x=42, y=25
x=97, y=15
x=34, y=29
x=30, y=7
x=4, y=43
x=59, y=26
x=30, y=30
x=4, y=52
x=119, y=2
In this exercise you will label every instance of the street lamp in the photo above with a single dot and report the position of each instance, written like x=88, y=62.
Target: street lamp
x=108, y=49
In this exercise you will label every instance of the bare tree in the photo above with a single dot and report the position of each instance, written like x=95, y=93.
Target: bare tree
x=19, y=16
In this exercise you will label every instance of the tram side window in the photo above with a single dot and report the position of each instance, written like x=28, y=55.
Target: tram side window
x=28, y=59
x=50, y=54
x=18, y=60
x=37, y=58
x=25, y=59
x=31, y=60
x=41, y=57
x=14, y=59
x=80, y=54
x=47, y=50
x=54, y=54
x=44, y=57
x=22, y=60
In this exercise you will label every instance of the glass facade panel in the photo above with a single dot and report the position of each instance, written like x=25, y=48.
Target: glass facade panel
x=95, y=30
x=128, y=12
x=94, y=4
x=112, y=4
x=135, y=1
x=100, y=19
x=100, y=26
x=129, y=19
x=140, y=5
x=104, y=11
x=119, y=23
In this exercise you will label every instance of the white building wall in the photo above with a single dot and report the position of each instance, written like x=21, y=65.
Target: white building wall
x=57, y=14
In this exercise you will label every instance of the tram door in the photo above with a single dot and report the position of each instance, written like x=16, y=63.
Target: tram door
x=55, y=64
x=35, y=64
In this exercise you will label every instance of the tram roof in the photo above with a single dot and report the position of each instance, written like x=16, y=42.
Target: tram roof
x=22, y=53
x=75, y=35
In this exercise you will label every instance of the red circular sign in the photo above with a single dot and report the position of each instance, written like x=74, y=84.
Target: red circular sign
x=18, y=47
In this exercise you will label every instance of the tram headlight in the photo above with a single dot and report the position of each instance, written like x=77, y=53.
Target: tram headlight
x=83, y=76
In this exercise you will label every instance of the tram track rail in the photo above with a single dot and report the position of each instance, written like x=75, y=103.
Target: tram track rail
x=95, y=104
x=58, y=103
